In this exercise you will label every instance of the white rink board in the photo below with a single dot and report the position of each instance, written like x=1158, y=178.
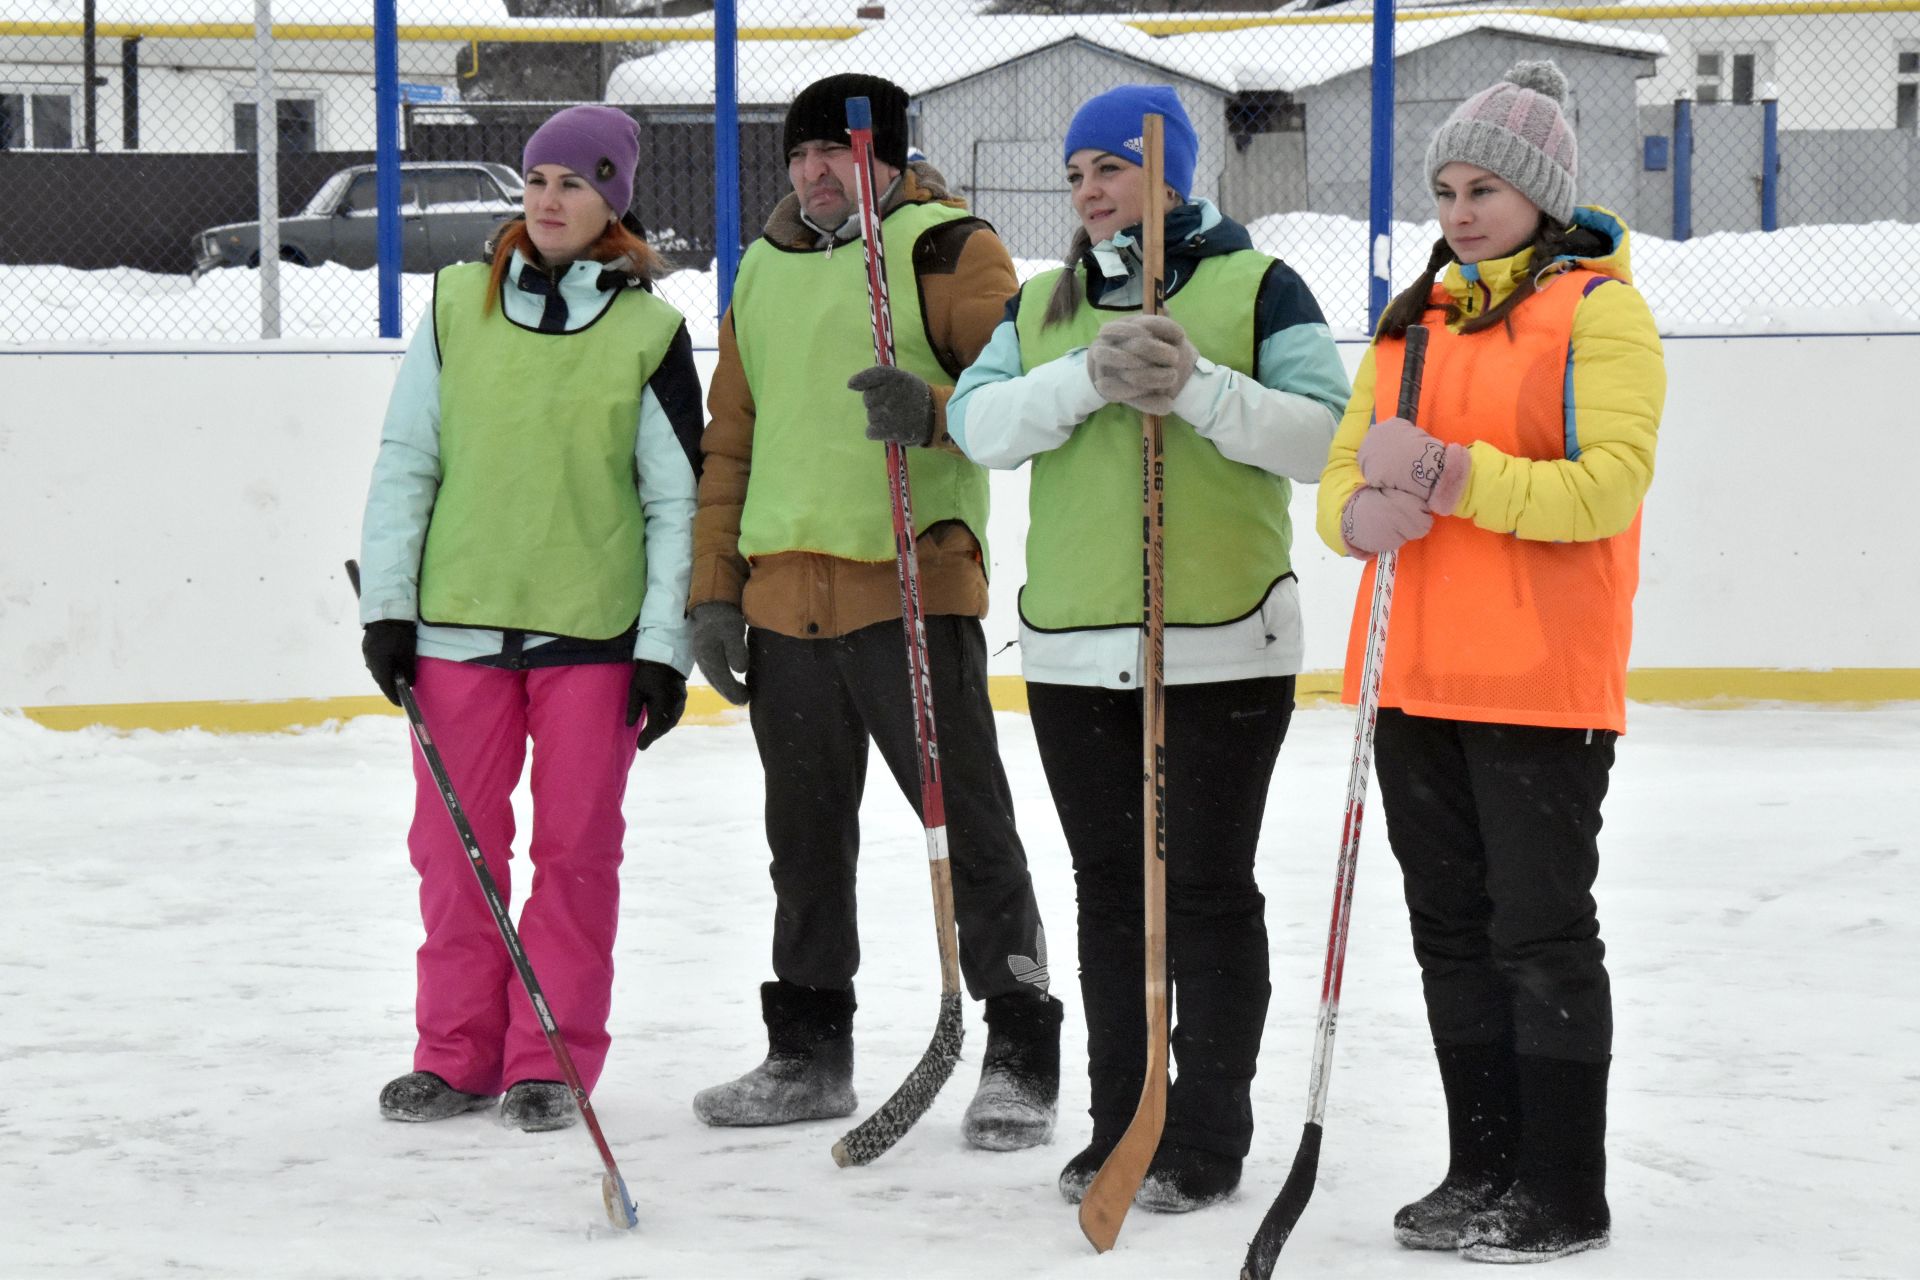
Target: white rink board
x=173, y=522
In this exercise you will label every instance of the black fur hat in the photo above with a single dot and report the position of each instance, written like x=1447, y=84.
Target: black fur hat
x=819, y=114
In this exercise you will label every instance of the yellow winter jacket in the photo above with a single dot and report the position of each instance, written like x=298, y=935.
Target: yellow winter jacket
x=1615, y=390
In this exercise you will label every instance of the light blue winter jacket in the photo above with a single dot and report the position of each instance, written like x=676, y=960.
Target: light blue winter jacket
x=406, y=478
x=1282, y=421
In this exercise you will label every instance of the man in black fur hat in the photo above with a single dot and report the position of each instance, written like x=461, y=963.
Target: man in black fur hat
x=795, y=587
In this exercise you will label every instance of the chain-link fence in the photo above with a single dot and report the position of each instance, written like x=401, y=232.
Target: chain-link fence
x=1766, y=153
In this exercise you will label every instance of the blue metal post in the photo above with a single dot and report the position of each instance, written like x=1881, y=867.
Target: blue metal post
x=1380, y=180
x=1683, y=169
x=726, y=149
x=1770, y=165
x=386, y=158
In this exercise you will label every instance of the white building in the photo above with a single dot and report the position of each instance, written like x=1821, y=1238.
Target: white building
x=178, y=75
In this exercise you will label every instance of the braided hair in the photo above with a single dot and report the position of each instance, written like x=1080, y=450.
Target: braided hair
x=1551, y=243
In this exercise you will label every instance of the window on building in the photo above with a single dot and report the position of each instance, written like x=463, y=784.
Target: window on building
x=1906, y=90
x=1727, y=75
x=1273, y=111
x=36, y=120
x=298, y=119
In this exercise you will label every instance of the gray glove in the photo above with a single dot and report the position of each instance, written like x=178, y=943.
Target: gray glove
x=720, y=647
x=1142, y=362
x=899, y=404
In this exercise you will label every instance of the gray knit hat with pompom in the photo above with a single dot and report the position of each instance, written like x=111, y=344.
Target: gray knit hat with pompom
x=1515, y=130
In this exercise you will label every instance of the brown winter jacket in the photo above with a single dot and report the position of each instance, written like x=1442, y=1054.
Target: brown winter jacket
x=965, y=278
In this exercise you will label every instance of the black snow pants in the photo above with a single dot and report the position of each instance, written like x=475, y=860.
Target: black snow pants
x=815, y=704
x=1496, y=828
x=1222, y=741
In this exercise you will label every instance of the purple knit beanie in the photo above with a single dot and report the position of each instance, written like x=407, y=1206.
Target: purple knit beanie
x=600, y=144
x=1516, y=131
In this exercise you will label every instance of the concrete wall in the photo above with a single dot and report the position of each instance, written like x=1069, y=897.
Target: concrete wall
x=997, y=138
x=172, y=524
x=1827, y=176
x=1849, y=175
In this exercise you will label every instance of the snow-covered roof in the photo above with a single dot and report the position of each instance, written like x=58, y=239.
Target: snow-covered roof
x=917, y=55
x=921, y=56
x=1296, y=57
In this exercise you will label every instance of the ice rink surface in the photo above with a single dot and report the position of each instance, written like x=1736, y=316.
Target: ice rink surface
x=208, y=974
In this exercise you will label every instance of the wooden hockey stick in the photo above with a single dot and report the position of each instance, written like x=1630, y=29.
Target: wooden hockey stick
x=1110, y=1194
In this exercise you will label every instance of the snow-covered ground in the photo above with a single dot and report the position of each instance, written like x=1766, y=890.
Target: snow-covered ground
x=208, y=975
x=1727, y=283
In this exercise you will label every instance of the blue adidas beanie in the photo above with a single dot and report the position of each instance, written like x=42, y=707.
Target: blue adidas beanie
x=1112, y=122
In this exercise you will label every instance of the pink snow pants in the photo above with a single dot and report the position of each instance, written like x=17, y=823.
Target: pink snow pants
x=478, y=1030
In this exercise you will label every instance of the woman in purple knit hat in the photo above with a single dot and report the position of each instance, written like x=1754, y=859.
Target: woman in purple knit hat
x=524, y=557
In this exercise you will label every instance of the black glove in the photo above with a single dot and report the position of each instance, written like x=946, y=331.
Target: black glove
x=661, y=692
x=387, y=646
x=720, y=647
x=899, y=404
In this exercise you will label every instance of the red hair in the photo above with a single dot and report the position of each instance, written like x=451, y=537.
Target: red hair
x=614, y=243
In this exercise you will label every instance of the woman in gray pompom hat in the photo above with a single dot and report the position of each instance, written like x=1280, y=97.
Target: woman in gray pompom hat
x=1514, y=510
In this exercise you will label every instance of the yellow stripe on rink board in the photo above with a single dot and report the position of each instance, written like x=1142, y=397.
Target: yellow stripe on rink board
x=1735, y=687
x=1706, y=687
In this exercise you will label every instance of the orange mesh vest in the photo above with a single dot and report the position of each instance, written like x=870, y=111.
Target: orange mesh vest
x=1487, y=626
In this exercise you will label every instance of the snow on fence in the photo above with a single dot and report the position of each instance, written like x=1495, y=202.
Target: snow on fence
x=1800, y=279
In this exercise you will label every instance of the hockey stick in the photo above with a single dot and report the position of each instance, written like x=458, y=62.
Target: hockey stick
x=621, y=1210
x=1284, y=1214
x=872, y=1137
x=1108, y=1197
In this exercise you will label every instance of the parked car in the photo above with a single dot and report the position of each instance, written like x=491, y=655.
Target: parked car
x=447, y=211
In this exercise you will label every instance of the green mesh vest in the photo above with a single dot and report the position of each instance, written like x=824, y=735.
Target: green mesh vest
x=1227, y=528
x=537, y=525
x=804, y=327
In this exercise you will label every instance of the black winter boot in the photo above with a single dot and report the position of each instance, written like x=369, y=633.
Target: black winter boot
x=421, y=1095
x=1019, y=1092
x=808, y=1072
x=1080, y=1171
x=1557, y=1204
x=1483, y=1141
x=1182, y=1179
x=535, y=1106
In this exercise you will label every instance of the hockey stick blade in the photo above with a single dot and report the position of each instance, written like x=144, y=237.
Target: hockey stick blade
x=1284, y=1213
x=1103, y=1209
x=622, y=1212
x=875, y=1136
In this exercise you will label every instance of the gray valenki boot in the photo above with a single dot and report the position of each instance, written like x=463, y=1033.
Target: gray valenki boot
x=808, y=1072
x=420, y=1096
x=538, y=1106
x=1483, y=1143
x=1019, y=1093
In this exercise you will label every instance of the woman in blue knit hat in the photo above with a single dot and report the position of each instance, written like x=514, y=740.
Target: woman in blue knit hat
x=1243, y=370
x=524, y=557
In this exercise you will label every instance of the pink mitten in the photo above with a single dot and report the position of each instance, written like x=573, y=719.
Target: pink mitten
x=1378, y=520
x=1399, y=455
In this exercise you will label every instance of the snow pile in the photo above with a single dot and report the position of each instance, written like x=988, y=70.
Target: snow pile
x=1799, y=279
